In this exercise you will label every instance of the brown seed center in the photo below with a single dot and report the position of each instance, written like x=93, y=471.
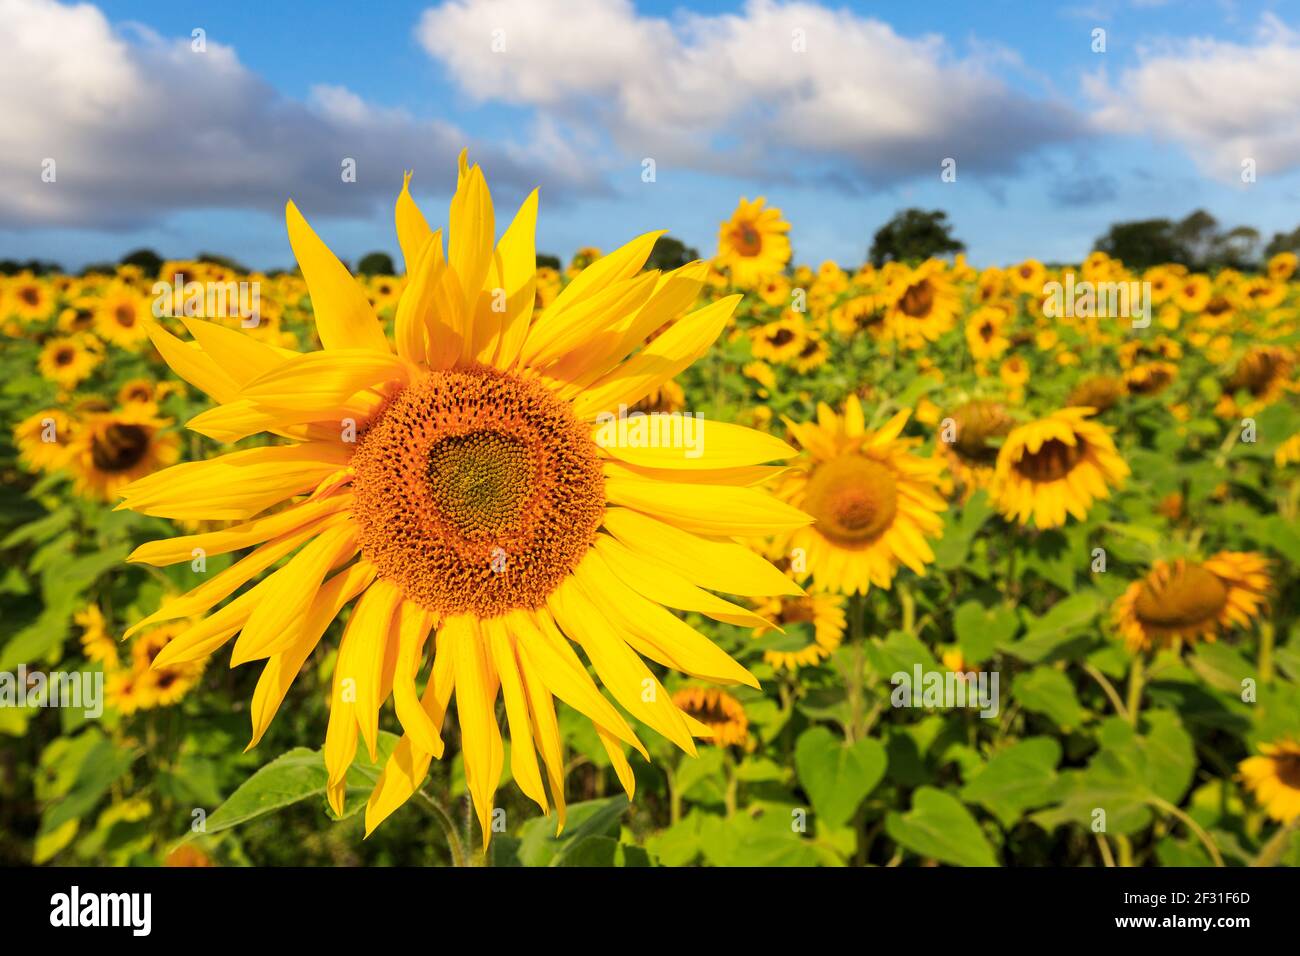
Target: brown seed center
x=1053, y=460
x=1187, y=595
x=853, y=498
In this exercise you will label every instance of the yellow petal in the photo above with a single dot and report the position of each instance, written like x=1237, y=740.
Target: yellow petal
x=716, y=565
x=192, y=364
x=686, y=442
x=344, y=317
x=707, y=509
x=236, y=486
x=324, y=380
x=471, y=237
x=663, y=585
x=281, y=669
x=620, y=669
x=688, y=339
x=476, y=693
x=173, y=550
x=412, y=228
x=415, y=309
x=523, y=758
x=280, y=617
x=371, y=622
x=414, y=623
x=654, y=632
x=515, y=272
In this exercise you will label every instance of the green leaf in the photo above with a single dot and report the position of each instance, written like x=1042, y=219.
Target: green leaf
x=1045, y=690
x=980, y=630
x=959, y=531
x=289, y=778
x=1048, y=636
x=1017, y=779
x=837, y=776
x=939, y=827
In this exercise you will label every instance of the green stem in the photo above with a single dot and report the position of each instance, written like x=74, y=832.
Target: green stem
x=1267, y=633
x=439, y=813
x=1273, y=849
x=1136, y=679
x=1163, y=804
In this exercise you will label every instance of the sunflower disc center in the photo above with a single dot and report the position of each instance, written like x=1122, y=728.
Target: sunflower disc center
x=854, y=499
x=1053, y=460
x=480, y=482
x=477, y=492
x=119, y=447
x=1188, y=596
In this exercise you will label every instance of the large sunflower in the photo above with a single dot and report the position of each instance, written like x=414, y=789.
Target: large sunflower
x=753, y=244
x=1187, y=600
x=1056, y=466
x=874, y=501
x=462, y=485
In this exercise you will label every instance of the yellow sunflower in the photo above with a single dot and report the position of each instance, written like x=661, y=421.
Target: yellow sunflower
x=110, y=449
x=1186, y=600
x=1192, y=294
x=1056, y=466
x=813, y=624
x=984, y=333
x=1282, y=266
x=722, y=714
x=781, y=340
x=922, y=304
x=1288, y=453
x=1028, y=277
x=96, y=642
x=484, y=515
x=1274, y=778
x=68, y=361
x=862, y=313
x=753, y=244
x=875, y=502
x=122, y=316
x=43, y=440
x=29, y=297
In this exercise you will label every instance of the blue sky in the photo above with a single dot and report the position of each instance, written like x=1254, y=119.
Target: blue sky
x=159, y=148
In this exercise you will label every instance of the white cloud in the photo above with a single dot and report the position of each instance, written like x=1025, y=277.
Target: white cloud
x=1224, y=102
x=730, y=93
x=140, y=126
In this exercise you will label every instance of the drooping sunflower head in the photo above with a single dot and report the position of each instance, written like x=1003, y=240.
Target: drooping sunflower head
x=1273, y=776
x=970, y=436
x=873, y=500
x=753, y=244
x=1098, y=392
x=717, y=710
x=1054, y=467
x=813, y=626
x=1190, y=600
x=478, y=491
x=1150, y=378
x=1262, y=372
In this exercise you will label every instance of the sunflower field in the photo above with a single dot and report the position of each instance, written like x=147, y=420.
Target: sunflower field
x=393, y=571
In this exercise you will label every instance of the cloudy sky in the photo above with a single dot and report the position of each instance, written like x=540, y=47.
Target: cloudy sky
x=839, y=114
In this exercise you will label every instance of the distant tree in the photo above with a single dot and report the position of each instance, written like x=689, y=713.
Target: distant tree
x=670, y=253
x=146, y=260
x=38, y=267
x=234, y=265
x=1283, y=242
x=99, y=268
x=1195, y=241
x=548, y=261
x=913, y=235
x=376, y=264
x=1144, y=243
